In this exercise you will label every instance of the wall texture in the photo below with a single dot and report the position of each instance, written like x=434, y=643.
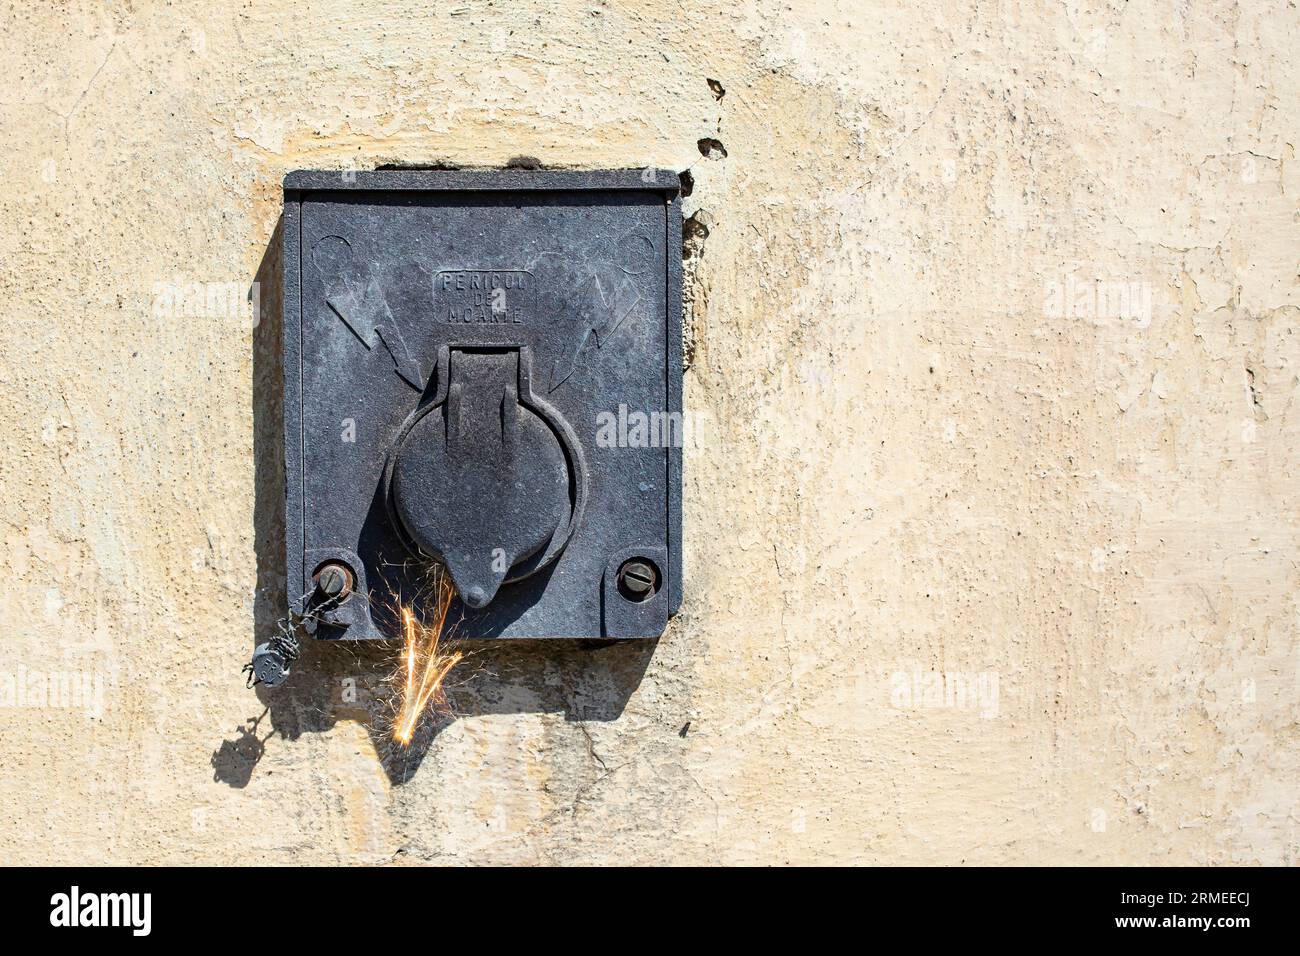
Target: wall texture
x=991, y=526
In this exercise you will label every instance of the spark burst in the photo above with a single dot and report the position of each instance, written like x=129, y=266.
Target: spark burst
x=426, y=660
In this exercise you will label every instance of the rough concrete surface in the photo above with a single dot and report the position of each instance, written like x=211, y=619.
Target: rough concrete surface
x=991, y=517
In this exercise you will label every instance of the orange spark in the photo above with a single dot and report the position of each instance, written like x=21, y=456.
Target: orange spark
x=425, y=655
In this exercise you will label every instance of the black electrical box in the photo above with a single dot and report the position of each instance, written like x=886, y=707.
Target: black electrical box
x=482, y=371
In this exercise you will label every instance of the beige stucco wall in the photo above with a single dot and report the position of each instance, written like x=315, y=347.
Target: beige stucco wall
x=923, y=450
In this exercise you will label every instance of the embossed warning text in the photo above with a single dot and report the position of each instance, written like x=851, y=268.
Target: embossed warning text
x=484, y=296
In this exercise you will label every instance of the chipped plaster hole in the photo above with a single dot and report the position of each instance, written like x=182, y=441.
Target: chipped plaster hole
x=695, y=230
x=523, y=162
x=712, y=148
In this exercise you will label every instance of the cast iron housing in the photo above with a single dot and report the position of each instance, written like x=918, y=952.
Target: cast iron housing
x=484, y=367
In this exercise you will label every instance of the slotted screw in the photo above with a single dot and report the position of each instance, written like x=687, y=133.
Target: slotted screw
x=334, y=580
x=637, y=579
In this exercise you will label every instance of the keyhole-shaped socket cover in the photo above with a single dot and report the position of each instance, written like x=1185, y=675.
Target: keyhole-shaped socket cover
x=481, y=480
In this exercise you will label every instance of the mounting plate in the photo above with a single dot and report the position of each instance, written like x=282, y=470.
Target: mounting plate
x=484, y=368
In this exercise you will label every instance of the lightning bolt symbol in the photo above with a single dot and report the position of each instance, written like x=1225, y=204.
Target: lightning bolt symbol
x=602, y=303
x=369, y=318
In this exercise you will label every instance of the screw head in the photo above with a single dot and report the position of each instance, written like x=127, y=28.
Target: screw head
x=334, y=580
x=637, y=579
